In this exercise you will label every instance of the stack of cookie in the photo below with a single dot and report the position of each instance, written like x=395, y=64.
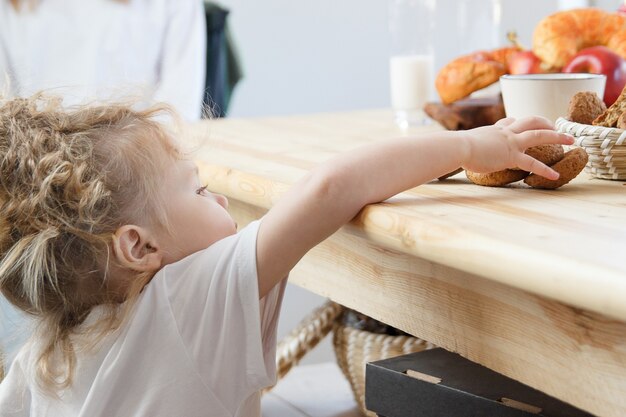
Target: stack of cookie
x=567, y=164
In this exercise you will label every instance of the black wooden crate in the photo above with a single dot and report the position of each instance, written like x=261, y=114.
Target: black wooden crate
x=466, y=389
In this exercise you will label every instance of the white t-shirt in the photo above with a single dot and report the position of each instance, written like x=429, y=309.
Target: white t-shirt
x=85, y=50
x=199, y=343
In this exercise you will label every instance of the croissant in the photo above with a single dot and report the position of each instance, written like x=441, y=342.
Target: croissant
x=466, y=74
x=558, y=37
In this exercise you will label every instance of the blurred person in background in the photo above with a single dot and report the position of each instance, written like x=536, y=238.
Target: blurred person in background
x=87, y=50
x=91, y=50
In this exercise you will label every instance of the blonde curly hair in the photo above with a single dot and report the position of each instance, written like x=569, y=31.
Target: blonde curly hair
x=68, y=179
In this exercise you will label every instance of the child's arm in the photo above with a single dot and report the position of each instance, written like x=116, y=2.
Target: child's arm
x=333, y=193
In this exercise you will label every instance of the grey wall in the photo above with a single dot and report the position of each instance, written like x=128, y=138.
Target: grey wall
x=307, y=56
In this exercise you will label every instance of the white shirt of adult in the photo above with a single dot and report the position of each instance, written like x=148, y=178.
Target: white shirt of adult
x=199, y=343
x=88, y=50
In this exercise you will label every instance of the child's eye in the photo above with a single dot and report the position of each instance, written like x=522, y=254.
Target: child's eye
x=202, y=189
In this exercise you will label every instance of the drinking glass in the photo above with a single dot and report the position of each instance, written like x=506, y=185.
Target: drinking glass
x=411, y=64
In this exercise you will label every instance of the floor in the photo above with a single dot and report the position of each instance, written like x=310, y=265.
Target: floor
x=318, y=390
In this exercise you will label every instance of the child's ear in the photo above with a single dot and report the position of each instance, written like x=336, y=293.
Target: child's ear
x=136, y=248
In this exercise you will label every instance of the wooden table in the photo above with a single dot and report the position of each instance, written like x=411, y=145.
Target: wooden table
x=529, y=283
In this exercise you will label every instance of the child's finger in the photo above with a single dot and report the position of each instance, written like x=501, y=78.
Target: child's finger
x=505, y=122
x=532, y=138
x=531, y=123
x=530, y=164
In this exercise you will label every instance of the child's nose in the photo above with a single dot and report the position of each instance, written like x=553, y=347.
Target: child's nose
x=221, y=200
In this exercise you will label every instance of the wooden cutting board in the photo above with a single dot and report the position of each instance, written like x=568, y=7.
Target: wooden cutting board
x=468, y=113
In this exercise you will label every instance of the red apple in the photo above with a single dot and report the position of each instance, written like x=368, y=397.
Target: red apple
x=525, y=62
x=622, y=9
x=601, y=60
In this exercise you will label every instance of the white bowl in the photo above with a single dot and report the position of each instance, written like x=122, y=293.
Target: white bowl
x=546, y=95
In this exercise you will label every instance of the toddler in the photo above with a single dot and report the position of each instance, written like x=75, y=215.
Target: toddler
x=148, y=301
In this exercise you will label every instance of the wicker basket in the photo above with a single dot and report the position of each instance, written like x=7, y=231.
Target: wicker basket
x=309, y=332
x=606, y=147
x=354, y=348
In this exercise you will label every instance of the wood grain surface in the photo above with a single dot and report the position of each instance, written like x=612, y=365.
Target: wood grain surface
x=530, y=283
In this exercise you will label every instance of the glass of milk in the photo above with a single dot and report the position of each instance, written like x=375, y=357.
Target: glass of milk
x=411, y=65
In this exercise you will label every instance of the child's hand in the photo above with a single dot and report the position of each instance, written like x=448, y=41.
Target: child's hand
x=493, y=148
x=334, y=192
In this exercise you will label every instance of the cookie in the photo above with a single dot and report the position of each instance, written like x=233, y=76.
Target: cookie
x=569, y=167
x=548, y=154
x=498, y=178
x=585, y=107
x=609, y=117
